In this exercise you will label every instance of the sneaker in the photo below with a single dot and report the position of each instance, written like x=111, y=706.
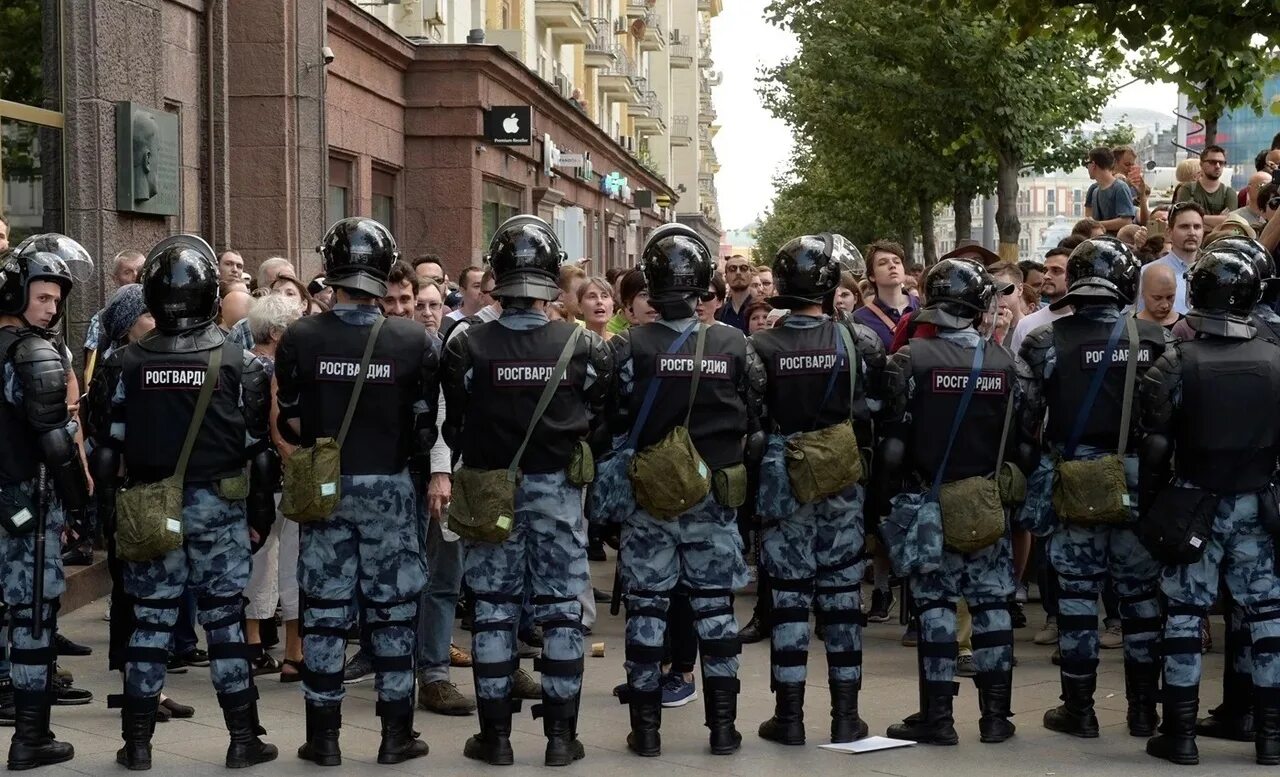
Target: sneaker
x=965, y=666
x=1049, y=634
x=595, y=551
x=443, y=698
x=911, y=637
x=264, y=664
x=1017, y=616
x=602, y=597
x=881, y=601
x=524, y=686
x=64, y=695
x=66, y=647
x=195, y=657
x=358, y=669
x=175, y=709
x=676, y=691
x=1020, y=594
x=176, y=665
x=458, y=657
x=1111, y=637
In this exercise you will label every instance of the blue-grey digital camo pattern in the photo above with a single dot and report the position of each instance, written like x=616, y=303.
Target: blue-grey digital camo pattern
x=543, y=560
x=369, y=548
x=984, y=577
x=701, y=551
x=17, y=554
x=214, y=562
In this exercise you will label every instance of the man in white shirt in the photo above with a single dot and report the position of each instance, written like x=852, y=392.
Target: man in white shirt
x=1054, y=288
x=475, y=283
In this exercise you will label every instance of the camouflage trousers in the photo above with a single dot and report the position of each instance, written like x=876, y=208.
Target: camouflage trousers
x=369, y=547
x=701, y=551
x=215, y=562
x=817, y=550
x=984, y=579
x=543, y=560
x=1238, y=541
x=31, y=658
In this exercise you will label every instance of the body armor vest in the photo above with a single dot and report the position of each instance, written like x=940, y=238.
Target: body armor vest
x=329, y=350
x=798, y=362
x=19, y=459
x=1227, y=430
x=509, y=370
x=941, y=372
x=1079, y=345
x=718, y=423
x=161, y=390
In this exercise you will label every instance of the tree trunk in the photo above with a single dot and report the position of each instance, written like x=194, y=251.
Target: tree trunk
x=1210, y=130
x=1007, y=224
x=962, y=203
x=928, y=239
x=1210, y=114
x=907, y=238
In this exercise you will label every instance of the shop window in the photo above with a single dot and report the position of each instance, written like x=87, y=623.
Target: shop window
x=340, y=177
x=384, y=198
x=31, y=120
x=500, y=203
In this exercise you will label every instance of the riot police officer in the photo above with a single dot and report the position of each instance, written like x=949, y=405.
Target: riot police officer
x=822, y=384
x=1077, y=369
x=929, y=382
x=494, y=377
x=41, y=475
x=368, y=546
x=697, y=546
x=1233, y=718
x=157, y=383
x=1199, y=405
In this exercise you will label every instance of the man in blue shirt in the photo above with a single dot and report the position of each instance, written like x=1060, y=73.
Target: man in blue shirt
x=1185, y=234
x=886, y=265
x=737, y=275
x=1111, y=201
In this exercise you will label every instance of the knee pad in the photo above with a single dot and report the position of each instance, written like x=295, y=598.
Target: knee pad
x=312, y=605
x=208, y=603
x=374, y=623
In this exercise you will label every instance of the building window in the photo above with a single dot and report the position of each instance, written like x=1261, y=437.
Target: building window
x=1078, y=209
x=500, y=203
x=31, y=119
x=384, y=198
x=1051, y=209
x=339, y=203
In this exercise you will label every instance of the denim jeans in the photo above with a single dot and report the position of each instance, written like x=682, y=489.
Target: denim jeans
x=436, y=607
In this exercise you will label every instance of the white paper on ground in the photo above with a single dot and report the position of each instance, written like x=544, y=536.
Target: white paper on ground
x=868, y=745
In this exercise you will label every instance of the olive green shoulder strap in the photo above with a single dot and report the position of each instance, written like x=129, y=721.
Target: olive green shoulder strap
x=697, y=370
x=202, y=407
x=558, y=374
x=853, y=363
x=364, y=369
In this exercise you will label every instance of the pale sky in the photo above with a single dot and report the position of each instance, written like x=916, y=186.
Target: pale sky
x=752, y=145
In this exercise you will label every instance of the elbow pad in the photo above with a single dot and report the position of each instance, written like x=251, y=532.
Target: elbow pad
x=754, y=452
x=1154, y=454
x=260, y=507
x=61, y=454
x=104, y=463
x=890, y=464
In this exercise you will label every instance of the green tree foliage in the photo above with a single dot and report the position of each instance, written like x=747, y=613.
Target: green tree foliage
x=926, y=105
x=1218, y=52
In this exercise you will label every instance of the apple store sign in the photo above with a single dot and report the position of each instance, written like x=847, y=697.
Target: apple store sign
x=509, y=125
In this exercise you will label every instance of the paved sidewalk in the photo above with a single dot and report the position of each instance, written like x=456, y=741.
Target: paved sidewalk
x=197, y=747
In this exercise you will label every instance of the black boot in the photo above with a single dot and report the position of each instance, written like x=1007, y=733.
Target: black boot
x=1177, y=740
x=1141, y=689
x=1267, y=719
x=1076, y=716
x=323, y=723
x=937, y=726
x=137, y=724
x=995, y=693
x=720, y=701
x=560, y=725
x=646, y=719
x=786, y=727
x=755, y=631
x=493, y=744
x=1234, y=718
x=846, y=726
x=399, y=741
x=33, y=744
x=6, y=701
x=242, y=722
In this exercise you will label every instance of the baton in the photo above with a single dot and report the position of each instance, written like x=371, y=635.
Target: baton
x=615, y=596
x=37, y=582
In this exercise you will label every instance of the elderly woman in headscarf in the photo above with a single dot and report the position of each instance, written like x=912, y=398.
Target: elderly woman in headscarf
x=124, y=320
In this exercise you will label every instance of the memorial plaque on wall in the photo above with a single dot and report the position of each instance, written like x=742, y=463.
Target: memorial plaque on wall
x=146, y=160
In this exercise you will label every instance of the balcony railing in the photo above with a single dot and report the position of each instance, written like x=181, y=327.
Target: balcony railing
x=680, y=126
x=603, y=42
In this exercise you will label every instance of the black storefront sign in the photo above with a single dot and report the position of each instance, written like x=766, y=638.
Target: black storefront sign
x=509, y=125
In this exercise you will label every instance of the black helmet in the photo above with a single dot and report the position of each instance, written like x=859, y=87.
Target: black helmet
x=847, y=256
x=1223, y=281
x=525, y=256
x=180, y=283
x=357, y=254
x=805, y=271
x=957, y=292
x=676, y=262
x=46, y=257
x=1101, y=269
x=1256, y=252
